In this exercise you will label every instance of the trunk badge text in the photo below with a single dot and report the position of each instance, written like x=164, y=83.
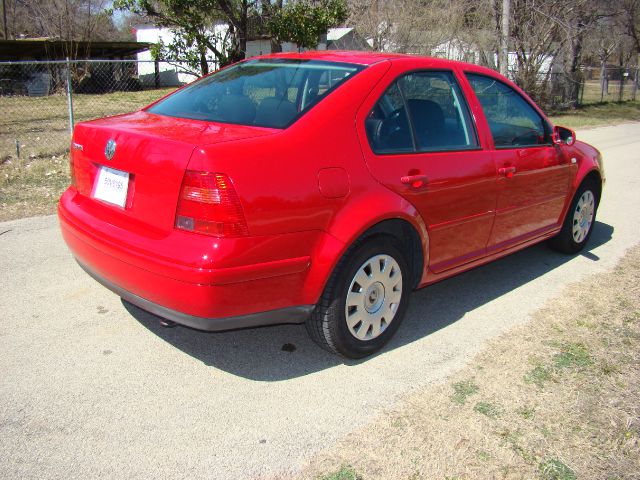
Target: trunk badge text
x=110, y=149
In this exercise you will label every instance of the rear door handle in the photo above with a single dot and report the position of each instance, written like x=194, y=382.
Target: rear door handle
x=507, y=171
x=414, y=181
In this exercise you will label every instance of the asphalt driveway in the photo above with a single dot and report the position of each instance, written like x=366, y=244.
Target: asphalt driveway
x=91, y=387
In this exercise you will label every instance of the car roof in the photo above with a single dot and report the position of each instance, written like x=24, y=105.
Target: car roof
x=369, y=58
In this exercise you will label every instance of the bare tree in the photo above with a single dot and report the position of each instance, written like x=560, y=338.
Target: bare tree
x=62, y=19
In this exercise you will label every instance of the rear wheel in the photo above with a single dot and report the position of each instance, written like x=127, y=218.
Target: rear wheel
x=364, y=301
x=579, y=221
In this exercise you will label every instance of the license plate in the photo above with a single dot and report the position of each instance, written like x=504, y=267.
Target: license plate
x=111, y=186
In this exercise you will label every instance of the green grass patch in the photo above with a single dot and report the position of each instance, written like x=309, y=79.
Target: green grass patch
x=538, y=375
x=462, y=391
x=483, y=455
x=572, y=355
x=526, y=412
x=554, y=469
x=346, y=472
x=487, y=409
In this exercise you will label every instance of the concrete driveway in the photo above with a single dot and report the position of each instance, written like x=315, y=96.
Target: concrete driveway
x=93, y=388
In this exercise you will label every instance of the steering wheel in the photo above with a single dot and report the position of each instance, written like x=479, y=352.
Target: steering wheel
x=515, y=140
x=391, y=124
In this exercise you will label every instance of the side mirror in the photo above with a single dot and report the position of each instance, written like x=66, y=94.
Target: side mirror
x=563, y=136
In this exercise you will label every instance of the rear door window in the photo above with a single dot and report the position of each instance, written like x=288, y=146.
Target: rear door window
x=421, y=112
x=387, y=125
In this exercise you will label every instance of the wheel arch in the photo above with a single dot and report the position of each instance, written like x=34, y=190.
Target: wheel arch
x=591, y=176
x=404, y=226
x=408, y=240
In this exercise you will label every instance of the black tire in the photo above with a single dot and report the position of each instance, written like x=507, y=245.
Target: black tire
x=565, y=242
x=328, y=326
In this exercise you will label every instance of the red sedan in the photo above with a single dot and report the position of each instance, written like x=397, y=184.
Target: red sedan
x=321, y=187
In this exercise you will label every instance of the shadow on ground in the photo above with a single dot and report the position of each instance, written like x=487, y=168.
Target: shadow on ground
x=264, y=354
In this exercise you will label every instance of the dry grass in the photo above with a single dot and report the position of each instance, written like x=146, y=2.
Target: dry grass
x=31, y=187
x=554, y=399
x=593, y=92
x=599, y=115
x=41, y=125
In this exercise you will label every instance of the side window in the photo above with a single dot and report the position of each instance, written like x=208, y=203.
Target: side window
x=438, y=111
x=387, y=124
x=438, y=117
x=512, y=120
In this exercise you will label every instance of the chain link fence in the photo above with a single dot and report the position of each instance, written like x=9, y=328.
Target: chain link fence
x=41, y=101
x=558, y=91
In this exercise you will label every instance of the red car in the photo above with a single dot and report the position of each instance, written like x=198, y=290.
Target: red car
x=321, y=187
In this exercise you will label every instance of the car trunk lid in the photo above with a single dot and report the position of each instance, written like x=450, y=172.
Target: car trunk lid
x=144, y=174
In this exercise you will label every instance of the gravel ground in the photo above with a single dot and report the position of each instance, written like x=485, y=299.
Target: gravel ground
x=93, y=388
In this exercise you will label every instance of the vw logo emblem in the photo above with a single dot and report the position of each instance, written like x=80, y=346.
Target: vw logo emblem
x=110, y=149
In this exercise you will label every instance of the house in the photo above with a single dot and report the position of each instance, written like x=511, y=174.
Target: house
x=466, y=52
x=345, y=38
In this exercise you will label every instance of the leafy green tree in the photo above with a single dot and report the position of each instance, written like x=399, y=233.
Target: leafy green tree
x=304, y=22
x=196, y=41
x=191, y=22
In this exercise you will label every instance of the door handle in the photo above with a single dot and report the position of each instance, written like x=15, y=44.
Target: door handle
x=414, y=181
x=507, y=171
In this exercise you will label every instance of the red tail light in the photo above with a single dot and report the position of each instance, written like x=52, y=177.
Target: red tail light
x=209, y=204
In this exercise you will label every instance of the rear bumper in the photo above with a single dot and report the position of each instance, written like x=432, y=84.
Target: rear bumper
x=158, y=274
x=274, y=317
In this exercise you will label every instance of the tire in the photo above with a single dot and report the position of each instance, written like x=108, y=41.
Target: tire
x=364, y=301
x=578, y=223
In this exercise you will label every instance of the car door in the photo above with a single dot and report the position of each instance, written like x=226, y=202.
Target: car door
x=533, y=175
x=419, y=140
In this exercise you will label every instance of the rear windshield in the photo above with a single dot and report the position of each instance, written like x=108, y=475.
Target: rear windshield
x=268, y=93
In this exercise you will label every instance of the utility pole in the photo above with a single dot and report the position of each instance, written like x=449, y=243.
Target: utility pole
x=504, y=38
x=4, y=19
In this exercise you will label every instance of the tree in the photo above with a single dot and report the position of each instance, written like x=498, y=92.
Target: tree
x=197, y=40
x=191, y=23
x=631, y=9
x=71, y=20
x=303, y=22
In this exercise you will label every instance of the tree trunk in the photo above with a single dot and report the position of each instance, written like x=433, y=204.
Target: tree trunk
x=497, y=18
x=504, y=38
x=202, y=52
x=242, y=31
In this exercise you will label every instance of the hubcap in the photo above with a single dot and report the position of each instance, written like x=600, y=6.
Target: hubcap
x=373, y=297
x=583, y=216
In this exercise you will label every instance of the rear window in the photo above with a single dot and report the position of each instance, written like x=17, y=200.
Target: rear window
x=269, y=93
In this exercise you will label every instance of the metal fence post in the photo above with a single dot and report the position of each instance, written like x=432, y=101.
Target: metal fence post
x=69, y=96
x=634, y=89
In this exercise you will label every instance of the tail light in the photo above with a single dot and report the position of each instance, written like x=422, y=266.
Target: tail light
x=209, y=204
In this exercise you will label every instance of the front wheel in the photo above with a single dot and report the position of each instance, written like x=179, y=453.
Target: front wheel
x=364, y=300
x=578, y=224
